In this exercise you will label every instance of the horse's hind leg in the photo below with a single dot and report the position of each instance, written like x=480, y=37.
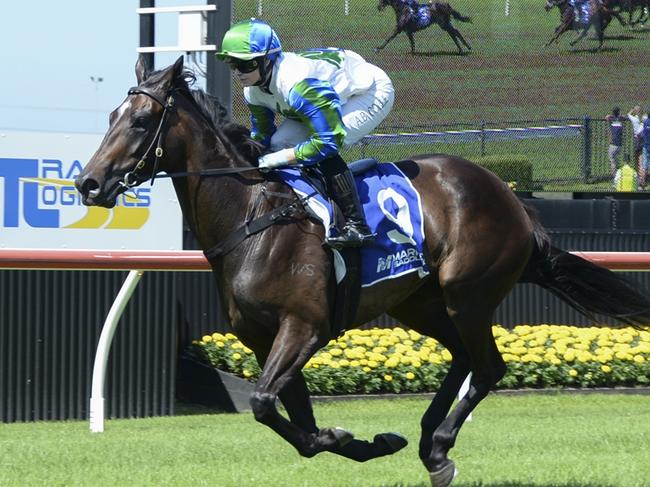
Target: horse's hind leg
x=455, y=35
x=487, y=369
x=432, y=320
x=471, y=295
x=462, y=39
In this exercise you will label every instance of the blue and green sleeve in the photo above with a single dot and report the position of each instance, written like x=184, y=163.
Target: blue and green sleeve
x=262, y=124
x=318, y=106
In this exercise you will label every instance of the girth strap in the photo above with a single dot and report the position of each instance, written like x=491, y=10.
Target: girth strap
x=277, y=215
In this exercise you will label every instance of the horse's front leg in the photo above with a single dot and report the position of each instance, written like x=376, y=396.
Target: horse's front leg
x=294, y=344
x=412, y=41
x=580, y=36
x=295, y=399
x=392, y=36
x=559, y=30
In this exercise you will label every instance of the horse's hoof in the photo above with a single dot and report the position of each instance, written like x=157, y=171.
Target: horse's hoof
x=444, y=476
x=394, y=442
x=335, y=436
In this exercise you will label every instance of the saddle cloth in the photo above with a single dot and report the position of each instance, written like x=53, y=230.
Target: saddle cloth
x=393, y=211
x=423, y=16
x=581, y=11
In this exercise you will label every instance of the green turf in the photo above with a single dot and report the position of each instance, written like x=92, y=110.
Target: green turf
x=545, y=441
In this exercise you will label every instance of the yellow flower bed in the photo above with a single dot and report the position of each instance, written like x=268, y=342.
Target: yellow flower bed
x=399, y=360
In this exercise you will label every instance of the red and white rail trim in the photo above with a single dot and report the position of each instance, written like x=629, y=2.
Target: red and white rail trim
x=194, y=260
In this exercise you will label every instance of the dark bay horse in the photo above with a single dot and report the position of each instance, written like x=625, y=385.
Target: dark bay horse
x=642, y=7
x=599, y=18
x=480, y=241
x=411, y=17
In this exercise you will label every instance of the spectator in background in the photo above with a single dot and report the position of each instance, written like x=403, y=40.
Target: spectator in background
x=646, y=143
x=626, y=178
x=634, y=115
x=615, y=122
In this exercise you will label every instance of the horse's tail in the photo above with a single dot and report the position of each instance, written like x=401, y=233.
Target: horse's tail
x=458, y=16
x=589, y=288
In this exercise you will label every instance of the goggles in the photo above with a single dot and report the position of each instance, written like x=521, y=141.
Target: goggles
x=243, y=66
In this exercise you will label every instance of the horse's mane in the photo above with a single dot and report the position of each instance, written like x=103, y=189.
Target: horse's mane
x=214, y=112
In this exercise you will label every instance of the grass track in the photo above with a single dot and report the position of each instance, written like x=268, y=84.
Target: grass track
x=508, y=76
x=537, y=440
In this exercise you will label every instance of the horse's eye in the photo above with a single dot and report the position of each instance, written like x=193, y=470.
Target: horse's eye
x=139, y=122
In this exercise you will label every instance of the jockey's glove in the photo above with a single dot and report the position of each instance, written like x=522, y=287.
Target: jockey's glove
x=273, y=160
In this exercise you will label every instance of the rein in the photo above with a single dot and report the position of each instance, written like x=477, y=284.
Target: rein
x=133, y=178
x=251, y=226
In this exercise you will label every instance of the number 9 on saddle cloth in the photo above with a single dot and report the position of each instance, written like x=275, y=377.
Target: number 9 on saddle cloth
x=393, y=211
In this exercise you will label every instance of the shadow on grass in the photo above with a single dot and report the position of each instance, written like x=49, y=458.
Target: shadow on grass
x=620, y=37
x=593, y=50
x=187, y=409
x=503, y=484
x=441, y=53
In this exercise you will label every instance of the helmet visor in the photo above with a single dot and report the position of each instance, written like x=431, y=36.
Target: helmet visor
x=242, y=65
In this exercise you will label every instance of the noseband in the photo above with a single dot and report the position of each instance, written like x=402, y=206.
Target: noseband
x=133, y=178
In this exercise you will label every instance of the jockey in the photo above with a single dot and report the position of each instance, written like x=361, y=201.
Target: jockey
x=421, y=16
x=330, y=98
x=581, y=10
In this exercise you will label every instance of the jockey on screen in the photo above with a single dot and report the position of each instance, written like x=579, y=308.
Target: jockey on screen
x=330, y=98
x=421, y=13
x=581, y=10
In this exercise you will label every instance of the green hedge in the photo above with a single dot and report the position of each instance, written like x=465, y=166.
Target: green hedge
x=514, y=169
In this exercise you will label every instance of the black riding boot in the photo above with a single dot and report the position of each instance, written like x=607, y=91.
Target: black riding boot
x=355, y=232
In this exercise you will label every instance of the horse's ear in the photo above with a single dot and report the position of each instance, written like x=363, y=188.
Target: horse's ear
x=178, y=67
x=172, y=73
x=141, y=69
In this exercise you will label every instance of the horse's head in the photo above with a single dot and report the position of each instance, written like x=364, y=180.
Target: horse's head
x=134, y=146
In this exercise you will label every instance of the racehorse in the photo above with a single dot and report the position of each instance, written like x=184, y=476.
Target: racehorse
x=600, y=16
x=631, y=6
x=480, y=240
x=412, y=17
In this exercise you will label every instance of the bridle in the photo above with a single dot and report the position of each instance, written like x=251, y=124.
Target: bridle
x=135, y=177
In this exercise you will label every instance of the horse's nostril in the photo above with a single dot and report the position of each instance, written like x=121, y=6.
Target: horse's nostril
x=89, y=187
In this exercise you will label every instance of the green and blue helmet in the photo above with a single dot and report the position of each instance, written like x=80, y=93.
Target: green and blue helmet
x=248, y=40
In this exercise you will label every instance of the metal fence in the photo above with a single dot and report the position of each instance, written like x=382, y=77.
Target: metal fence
x=568, y=154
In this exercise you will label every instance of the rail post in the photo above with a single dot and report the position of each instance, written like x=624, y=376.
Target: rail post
x=586, y=149
x=482, y=138
x=103, y=349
